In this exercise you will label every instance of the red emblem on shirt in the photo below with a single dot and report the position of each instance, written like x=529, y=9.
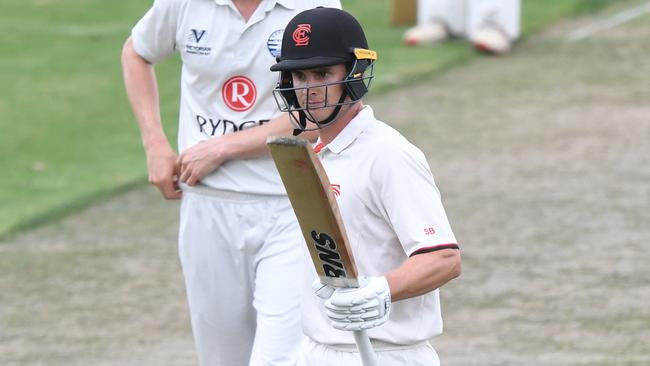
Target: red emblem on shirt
x=301, y=35
x=336, y=188
x=239, y=93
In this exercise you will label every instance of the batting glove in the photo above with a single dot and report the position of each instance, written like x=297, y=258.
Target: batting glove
x=360, y=308
x=322, y=291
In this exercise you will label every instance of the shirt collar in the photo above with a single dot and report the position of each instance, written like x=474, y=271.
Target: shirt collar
x=289, y=4
x=267, y=4
x=353, y=130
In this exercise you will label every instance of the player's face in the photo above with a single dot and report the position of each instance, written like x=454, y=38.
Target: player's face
x=314, y=94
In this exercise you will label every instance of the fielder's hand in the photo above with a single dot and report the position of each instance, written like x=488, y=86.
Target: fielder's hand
x=365, y=307
x=163, y=172
x=200, y=160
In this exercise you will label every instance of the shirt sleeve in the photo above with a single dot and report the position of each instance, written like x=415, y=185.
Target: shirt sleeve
x=410, y=201
x=154, y=36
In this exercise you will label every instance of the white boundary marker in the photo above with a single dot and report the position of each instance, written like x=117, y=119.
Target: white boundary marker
x=608, y=23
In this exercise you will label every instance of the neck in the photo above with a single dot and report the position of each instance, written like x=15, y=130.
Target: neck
x=347, y=113
x=246, y=7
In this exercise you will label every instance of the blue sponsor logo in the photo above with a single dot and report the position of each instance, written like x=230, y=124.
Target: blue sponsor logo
x=193, y=39
x=274, y=44
x=196, y=35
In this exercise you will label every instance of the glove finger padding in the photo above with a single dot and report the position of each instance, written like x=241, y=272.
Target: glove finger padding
x=360, y=308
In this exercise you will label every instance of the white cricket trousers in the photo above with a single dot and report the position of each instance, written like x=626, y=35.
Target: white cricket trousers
x=317, y=354
x=466, y=17
x=241, y=256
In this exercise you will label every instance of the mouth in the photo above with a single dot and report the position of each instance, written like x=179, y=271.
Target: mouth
x=316, y=104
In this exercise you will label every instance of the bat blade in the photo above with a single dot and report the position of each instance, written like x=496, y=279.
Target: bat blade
x=311, y=196
x=315, y=206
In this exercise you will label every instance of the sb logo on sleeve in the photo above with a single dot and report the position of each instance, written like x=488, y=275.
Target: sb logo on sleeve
x=239, y=93
x=429, y=231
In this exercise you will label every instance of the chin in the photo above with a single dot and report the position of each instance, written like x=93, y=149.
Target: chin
x=321, y=114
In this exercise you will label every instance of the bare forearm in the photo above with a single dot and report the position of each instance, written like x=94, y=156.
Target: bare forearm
x=142, y=91
x=251, y=143
x=423, y=273
x=202, y=159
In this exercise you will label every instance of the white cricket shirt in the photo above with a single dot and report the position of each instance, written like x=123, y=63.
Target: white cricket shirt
x=226, y=84
x=391, y=208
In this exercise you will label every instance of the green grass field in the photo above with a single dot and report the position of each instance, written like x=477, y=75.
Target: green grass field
x=67, y=134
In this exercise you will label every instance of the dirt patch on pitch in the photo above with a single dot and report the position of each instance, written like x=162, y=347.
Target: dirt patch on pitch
x=543, y=161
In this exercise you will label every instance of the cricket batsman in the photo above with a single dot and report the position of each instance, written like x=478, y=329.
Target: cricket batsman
x=397, y=227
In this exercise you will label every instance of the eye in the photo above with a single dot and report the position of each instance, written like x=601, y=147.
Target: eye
x=298, y=76
x=324, y=75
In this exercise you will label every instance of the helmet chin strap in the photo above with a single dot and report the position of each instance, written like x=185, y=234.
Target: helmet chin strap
x=302, y=121
x=302, y=116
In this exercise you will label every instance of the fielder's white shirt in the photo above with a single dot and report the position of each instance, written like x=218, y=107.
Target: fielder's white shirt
x=226, y=84
x=391, y=208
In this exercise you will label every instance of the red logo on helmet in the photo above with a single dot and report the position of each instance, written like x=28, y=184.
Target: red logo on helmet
x=301, y=35
x=239, y=93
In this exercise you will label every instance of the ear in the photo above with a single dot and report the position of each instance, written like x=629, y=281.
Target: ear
x=354, y=85
x=286, y=82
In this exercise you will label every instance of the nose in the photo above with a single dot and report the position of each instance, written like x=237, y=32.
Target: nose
x=310, y=81
x=310, y=85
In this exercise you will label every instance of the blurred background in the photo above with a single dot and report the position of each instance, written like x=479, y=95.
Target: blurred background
x=542, y=156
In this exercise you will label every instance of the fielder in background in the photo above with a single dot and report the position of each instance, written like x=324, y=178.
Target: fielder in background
x=491, y=25
x=397, y=226
x=239, y=243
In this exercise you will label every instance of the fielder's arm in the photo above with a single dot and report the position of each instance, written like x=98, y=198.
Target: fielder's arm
x=142, y=91
x=201, y=159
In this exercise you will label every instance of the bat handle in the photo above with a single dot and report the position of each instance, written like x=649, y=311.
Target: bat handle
x=368, y=356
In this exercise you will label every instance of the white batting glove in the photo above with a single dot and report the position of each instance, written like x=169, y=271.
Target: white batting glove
x=322, y=291
x=360, y=308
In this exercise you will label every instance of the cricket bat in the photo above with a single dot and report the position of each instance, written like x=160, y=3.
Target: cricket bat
x=313, y=201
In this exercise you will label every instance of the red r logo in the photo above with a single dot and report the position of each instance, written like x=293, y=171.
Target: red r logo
x=239, y=93
x=301, y=35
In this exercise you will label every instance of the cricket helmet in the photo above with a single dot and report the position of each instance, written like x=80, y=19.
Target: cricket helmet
x=317, y=38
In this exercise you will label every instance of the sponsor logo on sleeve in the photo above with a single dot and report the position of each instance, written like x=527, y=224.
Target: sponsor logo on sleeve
x=429, y=231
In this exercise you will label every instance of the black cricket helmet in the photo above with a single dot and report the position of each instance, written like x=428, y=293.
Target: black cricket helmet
x=317, y=38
